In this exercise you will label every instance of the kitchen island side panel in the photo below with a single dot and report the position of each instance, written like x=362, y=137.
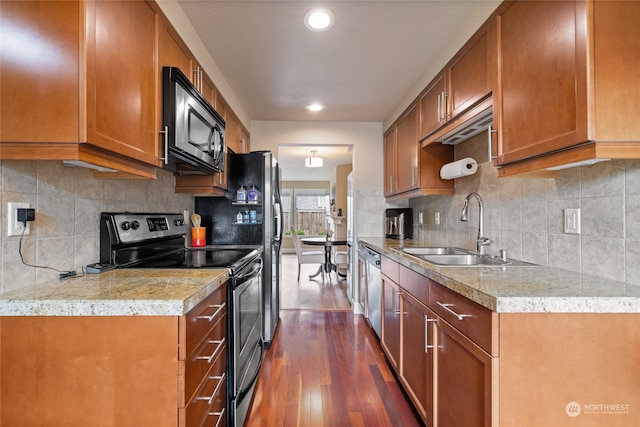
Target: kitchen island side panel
x=569, y=369
x=89, y=371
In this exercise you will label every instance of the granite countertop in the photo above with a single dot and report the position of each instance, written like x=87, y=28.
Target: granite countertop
x=531, y=289
x=127, y=292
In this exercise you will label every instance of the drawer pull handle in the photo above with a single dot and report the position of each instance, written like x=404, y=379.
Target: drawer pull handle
x=219, y=414
x=209, y=399
x=213, y=316
x=215, y=351
x=459, y=316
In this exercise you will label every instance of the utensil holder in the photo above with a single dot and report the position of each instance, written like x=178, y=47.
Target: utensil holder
x=198, y=236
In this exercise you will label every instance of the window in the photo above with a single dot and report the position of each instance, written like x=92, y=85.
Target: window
x=305, y=209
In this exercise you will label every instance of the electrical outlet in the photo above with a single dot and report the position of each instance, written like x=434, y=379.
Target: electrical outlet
x=572, y=221
x=436, y=218
x=14, y=227
x=420, y=218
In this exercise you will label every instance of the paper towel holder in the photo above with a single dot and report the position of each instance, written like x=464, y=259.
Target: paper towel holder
x=459, y=168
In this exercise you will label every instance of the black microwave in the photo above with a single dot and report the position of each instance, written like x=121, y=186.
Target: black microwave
x=194, y=133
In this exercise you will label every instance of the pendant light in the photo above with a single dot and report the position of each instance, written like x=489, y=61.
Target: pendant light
x=313, y=161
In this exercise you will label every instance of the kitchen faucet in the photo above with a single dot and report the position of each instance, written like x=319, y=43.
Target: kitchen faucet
x=481, y=241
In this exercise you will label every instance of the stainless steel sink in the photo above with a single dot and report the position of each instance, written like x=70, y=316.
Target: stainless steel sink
x=473, y=260
x=458, y=257
x=420, y=252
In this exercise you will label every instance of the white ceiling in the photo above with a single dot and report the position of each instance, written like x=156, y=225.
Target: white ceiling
x=291, y=158
x=360, y=70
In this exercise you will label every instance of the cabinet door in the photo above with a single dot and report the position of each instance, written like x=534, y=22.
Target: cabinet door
x=232, y=133
x=221, y=105
x=245, y=140
x=206, y=86
x=542, y=103
x=172, y=51
x=462, y=372
x=39, y=91
x=390, y=180
x=407, y=150
x=468, y=74
x=433, y=106
x=391, y=309
x=122, y=78
x=418, y=355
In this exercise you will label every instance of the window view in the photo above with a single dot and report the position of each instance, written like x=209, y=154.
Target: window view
x=305, y=209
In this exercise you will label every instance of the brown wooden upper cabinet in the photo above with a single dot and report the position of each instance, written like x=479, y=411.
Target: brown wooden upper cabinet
x=463, y=82
x=407, y=151
x=389, y=167
x=76, y=93
x=173, y=52
x=408, y=169
x=567, y=84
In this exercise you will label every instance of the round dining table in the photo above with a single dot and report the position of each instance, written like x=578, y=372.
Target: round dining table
x=328, y=244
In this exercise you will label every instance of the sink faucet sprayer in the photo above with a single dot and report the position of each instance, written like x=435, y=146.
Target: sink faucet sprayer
x=481, y=241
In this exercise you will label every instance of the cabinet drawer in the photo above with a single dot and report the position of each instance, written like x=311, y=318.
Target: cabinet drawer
x=208, y=405
x=470, y=318
x=197, y=323
x=414, y=283
x=389, y=268
x=198, y=363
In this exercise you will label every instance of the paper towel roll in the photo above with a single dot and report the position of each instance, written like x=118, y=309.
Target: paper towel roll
x=458, y=169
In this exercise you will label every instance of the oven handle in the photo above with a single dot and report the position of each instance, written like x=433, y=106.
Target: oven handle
x=242, y=393
x=254, y=272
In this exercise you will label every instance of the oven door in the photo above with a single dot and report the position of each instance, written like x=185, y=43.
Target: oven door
x=246, y=339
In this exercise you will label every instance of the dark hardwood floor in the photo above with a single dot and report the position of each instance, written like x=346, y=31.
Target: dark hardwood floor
x=325, y=367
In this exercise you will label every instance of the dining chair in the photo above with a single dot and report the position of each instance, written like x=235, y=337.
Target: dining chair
x=306, y=256
x=341, y=260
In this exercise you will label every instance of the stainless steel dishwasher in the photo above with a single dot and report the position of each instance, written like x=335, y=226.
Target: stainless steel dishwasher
x=371, y=282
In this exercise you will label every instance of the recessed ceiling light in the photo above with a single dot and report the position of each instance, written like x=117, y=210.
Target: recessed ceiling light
x=314, y=107
x=319, y=19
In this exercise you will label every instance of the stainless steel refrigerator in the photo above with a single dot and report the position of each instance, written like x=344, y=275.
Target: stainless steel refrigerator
x=233, y=222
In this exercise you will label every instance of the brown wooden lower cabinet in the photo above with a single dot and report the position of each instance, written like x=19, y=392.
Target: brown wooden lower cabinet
x=391, y=321
x=462, y=379
x=115, y=371
x=464, y=365
x=418, y=354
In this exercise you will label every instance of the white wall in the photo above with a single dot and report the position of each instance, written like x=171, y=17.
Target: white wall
x=367, y=141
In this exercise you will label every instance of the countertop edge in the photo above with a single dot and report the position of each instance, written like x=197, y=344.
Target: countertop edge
x=112, y=306
x=446, y=276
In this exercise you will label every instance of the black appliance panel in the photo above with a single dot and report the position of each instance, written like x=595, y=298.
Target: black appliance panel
x=219, y=213
x=195, y=132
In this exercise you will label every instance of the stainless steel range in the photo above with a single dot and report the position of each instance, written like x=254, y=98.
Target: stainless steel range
x=133, y=240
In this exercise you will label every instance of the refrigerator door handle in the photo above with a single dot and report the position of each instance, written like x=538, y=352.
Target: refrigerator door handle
x=278, y=216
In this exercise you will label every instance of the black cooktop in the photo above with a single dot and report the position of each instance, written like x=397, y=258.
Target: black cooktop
x=232, y=258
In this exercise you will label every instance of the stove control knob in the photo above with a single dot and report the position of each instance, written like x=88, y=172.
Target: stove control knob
x=125, y=225
x=178, y=222
x=135, y=225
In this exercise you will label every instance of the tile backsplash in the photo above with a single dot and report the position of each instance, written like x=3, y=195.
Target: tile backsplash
x=525, y=215
x=68, y=202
